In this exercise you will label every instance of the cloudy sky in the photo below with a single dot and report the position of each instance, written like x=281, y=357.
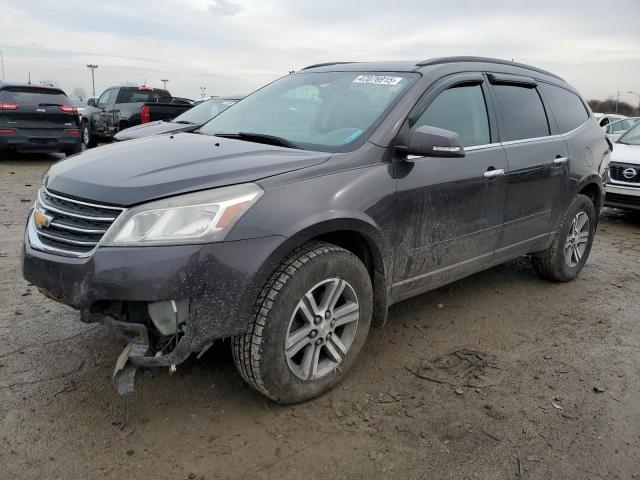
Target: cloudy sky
x=235, y=46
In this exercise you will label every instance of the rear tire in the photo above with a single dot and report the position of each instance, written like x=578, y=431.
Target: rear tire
x=88, y=138
x=567, y=255
x=291, y=353
x=72, y=151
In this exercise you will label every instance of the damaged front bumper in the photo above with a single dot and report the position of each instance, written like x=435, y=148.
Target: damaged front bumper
x=114, y=286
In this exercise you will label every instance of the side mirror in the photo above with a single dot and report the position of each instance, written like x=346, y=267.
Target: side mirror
x=91, y=102
x=428, y=141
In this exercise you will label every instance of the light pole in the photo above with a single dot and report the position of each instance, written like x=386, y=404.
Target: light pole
x=93, y=79
x=164, y=82
x=637, y=95
x=617, y=101
x=203, y=91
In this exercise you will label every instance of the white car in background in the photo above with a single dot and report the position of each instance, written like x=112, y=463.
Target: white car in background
x=616, y=129
x=623, y=186
x=605, y=119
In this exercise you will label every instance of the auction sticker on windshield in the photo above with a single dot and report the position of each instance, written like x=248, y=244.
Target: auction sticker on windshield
x=378, y=79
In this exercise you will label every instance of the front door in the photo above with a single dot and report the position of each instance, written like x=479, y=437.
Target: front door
x=450, y=209
x=102, y=119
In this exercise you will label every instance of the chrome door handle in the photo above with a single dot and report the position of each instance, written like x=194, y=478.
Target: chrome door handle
x=493, y=173
x=560, y=160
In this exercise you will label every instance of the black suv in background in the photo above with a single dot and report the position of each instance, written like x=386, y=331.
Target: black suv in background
x=292, y=221
x=38, y=118
x=119, y=108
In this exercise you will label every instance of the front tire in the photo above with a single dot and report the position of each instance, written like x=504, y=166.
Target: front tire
x=568, y=253
x=308, y=325
x=88, y=138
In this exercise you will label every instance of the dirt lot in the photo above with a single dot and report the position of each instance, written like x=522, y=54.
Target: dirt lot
x=539, y=381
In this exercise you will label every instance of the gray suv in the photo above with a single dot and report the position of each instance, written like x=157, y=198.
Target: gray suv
x=290, y=222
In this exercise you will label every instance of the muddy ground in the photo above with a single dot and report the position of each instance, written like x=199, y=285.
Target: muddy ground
x=554, y=371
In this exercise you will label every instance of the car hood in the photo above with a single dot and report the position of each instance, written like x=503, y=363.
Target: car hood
x=153, y=128
x=137, y=171
x=626, y=153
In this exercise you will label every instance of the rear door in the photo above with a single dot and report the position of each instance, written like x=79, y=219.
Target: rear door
x=450, y=209
x=39, y=113
x=537, y=158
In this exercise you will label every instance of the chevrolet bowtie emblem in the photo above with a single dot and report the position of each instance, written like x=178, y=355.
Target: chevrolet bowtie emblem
x=41, y=219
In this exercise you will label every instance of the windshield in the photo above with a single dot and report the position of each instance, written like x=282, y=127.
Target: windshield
x=334, y=111
x=632, y=137
x=33, y=96
x=205, y=111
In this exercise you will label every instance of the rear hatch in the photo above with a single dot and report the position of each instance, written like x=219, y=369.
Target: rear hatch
x=39, y=114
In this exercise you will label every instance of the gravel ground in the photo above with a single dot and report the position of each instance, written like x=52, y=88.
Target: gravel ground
x=500, y=375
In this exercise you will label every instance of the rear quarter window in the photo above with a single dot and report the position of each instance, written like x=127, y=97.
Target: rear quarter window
x=33, y=96
x=567, y=108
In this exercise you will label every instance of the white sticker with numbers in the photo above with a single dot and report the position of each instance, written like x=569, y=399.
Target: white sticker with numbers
x=378, y=79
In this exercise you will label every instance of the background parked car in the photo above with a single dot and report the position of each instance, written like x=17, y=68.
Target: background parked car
x=616, y=129
x=605, y=119
x=40, y=118
x=623, y=187
x=122, y=107
x=189, y=121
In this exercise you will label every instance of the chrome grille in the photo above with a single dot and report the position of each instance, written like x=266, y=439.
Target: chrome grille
x=71, y=227
x=616, y=173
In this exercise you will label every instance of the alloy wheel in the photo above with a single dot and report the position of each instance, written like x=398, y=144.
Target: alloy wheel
x=322, y=329
x=577, y=239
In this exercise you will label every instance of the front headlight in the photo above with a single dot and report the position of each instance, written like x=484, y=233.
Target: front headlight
x=200, y=217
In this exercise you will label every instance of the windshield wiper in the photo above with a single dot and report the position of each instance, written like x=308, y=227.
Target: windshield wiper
x=259, y=138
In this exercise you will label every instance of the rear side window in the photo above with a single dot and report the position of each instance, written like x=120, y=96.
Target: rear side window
x=33, y=96
x=134, y=95
x=522, y=111
x=461, y=110
x=567, y=108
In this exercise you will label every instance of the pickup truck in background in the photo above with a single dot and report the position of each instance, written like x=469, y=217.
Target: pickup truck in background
x=123, y=107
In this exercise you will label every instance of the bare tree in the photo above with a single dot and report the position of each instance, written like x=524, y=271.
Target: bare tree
x=79, y=92
x=609, y=106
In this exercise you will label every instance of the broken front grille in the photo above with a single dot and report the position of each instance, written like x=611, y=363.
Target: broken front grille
x=71, y=226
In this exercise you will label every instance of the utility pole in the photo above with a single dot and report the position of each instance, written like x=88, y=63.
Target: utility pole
x=164, y=82
x=637, y=95
x=617, y=101
x=203, y=92
x=93, y=79
x=2, y=65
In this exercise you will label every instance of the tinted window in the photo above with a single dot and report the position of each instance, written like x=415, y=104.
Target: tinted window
x=33, y=96
x=566, y=106
x=134, y=95
x=461, y=110
x=522, y=111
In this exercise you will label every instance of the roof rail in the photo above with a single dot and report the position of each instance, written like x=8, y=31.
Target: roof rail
x=327, y=64
x=442, y=60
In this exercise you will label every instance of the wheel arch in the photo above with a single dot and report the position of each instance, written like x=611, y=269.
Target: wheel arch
x=358, y=237
x=592, y=188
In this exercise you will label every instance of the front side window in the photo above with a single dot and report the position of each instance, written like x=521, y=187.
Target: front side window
x=462, y=110
x=106, y=98
x=332, y=111
x=567, y=108
x=523, y=114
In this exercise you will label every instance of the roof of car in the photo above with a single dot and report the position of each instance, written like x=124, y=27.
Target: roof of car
x=414, y=66
x=32, y=85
